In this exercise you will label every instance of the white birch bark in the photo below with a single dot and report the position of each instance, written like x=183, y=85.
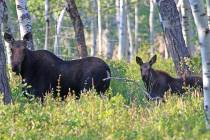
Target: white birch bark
x=136, y=34
x=208, y=11
x=186, y=25
x=122, y=32
x=99, y=28
x=94, y=24
x=47, y=24
x=151, y=27
x=201, y=22
x=7, y=27
x=130, y=37
x=117, y=5
x=24, y=20
x=58, y=31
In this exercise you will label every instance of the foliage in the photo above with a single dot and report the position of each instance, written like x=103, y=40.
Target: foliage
x=125, y=115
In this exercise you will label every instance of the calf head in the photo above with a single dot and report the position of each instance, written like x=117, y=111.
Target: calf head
x=17, y=48
x=146, y=67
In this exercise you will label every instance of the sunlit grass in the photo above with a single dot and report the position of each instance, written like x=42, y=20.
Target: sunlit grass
x=125, y=115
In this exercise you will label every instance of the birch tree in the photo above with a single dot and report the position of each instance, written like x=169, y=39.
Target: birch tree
x=94, y=24
x=24, y=21
x=208, y=11
x=122, y=50
x=99, y=28
x=130, y=37
x=186, y=25
x=201, y=22
x=136, y=32
x=58, y=31
x=47, y=24
x=7, y=27
x=173, y=35
x=151, y=27
x=117, y=5
x=110, y=38
x=78, y=27
x=4, y=84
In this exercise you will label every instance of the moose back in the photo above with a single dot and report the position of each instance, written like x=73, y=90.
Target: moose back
x=44, y=71
x=158, y=82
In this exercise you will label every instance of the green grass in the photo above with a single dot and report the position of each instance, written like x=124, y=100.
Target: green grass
x=126, y=115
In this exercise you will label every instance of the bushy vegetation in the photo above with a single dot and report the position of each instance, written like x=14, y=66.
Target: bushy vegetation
x=124, y=114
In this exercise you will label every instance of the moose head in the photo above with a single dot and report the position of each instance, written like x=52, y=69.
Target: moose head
x=17, y=48
x=146, y=67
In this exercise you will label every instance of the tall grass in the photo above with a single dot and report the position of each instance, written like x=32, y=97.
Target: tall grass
x=126, y=115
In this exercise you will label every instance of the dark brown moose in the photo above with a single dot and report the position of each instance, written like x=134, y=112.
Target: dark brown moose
x=41, y=69
x=158, y=82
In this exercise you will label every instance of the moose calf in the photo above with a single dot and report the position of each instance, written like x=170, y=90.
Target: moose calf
x=41, y=69
x=158, y=82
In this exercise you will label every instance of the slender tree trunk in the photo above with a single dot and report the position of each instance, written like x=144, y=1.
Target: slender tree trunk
x=173, y=35
x=7, y=27
x=201, y=22
x=130, y=37
x=186, y=25
x=122, y=32
x=99, y=28
x=47, y=24
x=24, y=20
x=151, y=26
x=4, y=84
x=78, y=27
x=58, y=31
x=137, y=37
x=208, y=11
x=109, y=33
x=94, y=24
x=117, y=5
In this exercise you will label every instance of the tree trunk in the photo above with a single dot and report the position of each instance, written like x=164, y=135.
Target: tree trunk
x=110, y=36
x=117, y=5
x=122, y=50
x=4, y=84
x=208, y=11
x=47, y=24
x=201, y=22
x=99, y=28
x=7, y=27
x=137, y=37
x=173, y=35
x=78, y=27
x=151, y=27
x=186, y=25
x=24, y=21
x=94, y=24
x=130, y=37
x=58, y=31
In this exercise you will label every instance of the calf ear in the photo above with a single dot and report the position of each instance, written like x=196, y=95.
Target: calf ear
x=9, y=38
x=27, y=36
x=139, y=60
x=153, y=60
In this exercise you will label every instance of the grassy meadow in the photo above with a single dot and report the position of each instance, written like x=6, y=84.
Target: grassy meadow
x=124, y=114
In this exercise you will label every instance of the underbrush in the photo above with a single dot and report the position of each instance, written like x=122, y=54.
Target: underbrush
x=126, y=115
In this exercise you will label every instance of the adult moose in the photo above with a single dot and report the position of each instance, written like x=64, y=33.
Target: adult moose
x=41, y=69
x=158, y=82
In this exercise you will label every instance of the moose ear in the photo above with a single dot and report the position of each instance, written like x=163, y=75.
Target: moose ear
x=8, y=38
x=153, y=60
x=27, y=36
x=139, y=60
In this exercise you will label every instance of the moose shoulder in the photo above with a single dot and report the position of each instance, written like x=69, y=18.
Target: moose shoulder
x=158, y=82
x=41, y=69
